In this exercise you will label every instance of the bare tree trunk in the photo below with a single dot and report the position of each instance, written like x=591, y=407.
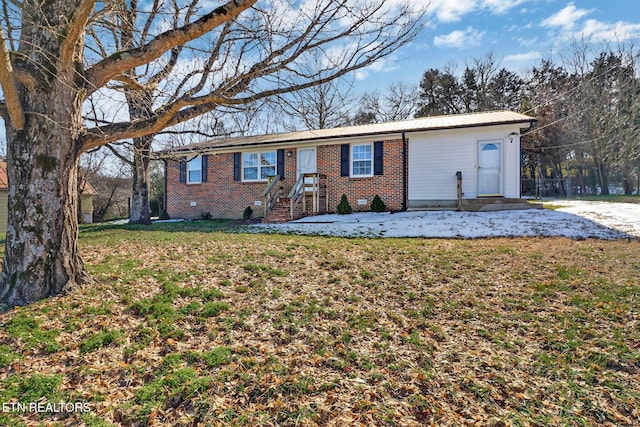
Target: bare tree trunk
x=140, y=212
x=41, y=258
x=45, y=80
x=140, y=107
x=603, y=177
x=559, y=176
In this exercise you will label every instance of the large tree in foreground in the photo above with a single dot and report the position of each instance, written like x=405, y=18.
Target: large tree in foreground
x=49, y=72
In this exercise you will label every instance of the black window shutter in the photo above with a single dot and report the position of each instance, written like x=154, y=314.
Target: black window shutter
x=378, y=157
x=236, y=166
x=280, y=165
x=205, y=167
x=183, y=171
x=344, y=160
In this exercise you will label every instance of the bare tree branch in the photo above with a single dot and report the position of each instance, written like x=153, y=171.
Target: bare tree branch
x=175, y=52
x=76, y=29
x=119, y=155
x=99, y=74
x=277, y=65
x=10, y=87
x=7, y=24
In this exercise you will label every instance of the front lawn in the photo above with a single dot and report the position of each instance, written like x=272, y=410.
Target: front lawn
x=184, y=327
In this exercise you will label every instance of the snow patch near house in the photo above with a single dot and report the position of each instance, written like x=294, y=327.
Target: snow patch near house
x=575, y=219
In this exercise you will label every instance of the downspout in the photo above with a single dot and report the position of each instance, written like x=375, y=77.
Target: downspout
x=404, y=171
x=520, y=171
x=520, y=150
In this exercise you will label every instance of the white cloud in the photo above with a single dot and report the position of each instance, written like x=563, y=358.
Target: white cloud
x=569, y=26
x=600, y=31
x=460, y=38
x=361, y=74
x=566, y=18
x=523, y=57
x=528, y=41
x=455, y=10
x=500, y=7
x=382, y=65
x=451, y=11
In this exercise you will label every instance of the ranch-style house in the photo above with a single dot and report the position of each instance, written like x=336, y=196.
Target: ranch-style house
x=465, y=162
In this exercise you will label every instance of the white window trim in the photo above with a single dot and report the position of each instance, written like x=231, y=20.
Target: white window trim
x=351, y=174
x=259, y=166
x=189, y=169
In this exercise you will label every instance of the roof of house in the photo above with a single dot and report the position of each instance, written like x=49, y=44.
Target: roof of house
x=4, y=180
x=453, y=121
x=87, y=188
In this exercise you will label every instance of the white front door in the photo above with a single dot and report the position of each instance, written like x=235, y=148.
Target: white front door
x=490, y=168
x=307, y=161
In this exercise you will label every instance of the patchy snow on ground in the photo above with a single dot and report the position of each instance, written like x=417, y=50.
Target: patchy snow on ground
x=574, y=219
x=623, y=217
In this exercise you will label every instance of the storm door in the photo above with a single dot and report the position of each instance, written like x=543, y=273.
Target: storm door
x=489, y=168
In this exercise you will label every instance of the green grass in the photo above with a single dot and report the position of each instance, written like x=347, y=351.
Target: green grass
x=212, y=359
x=32, y=388
x=202, y=226
x=213, y=309
x=20, y=393
x=7, y=356
x=205, y=326
x=99, y=340
x=32, y=333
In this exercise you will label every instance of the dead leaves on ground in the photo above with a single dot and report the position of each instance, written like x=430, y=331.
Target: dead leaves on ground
x=226, y=329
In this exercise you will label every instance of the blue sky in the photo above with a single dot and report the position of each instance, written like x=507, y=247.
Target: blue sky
x=519, y=33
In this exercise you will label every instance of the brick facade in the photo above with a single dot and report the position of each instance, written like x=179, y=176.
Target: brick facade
x=222, y=197
x=389, y=186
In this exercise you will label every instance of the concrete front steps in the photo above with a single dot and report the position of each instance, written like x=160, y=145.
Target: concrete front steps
x=481, y=204
x=491, y=204
x=281, y=211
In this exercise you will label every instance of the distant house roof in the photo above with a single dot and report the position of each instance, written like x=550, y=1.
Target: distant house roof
x=87, y=188
x=453, y=121
x=4, y=181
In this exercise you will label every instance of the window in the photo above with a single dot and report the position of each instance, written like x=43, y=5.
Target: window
x=194, y=171
x=362, y=160
x=258, y=166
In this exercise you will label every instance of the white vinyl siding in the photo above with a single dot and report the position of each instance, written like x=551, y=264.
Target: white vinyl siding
x=433, y=164
x=435, y=157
